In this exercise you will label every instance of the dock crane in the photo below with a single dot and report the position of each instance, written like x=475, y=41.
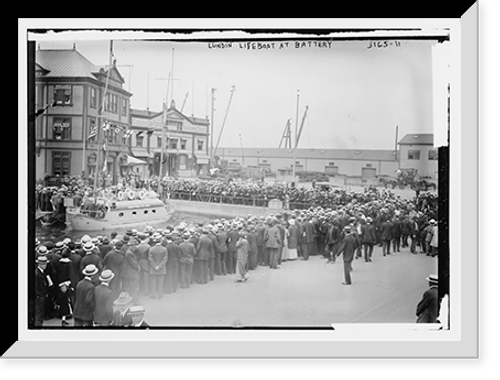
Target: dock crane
x=287, y=133
x=287, y=136
x=301, y=127
x=233, y=89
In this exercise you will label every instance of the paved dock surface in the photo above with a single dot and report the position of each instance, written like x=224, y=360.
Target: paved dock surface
x=301, y=293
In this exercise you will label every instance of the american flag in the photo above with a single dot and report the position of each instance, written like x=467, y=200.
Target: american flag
x=93, y=132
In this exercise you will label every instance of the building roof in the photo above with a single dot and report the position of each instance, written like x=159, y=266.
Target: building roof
x=64, y=63
x=417, y=139
x=302, y=153
x=69, y=63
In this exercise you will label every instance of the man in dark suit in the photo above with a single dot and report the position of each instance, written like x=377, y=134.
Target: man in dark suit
x=261, y=244
x=130, y=273
x=396, y=234
x=204, y=249
x=157, y=257
x=428, y=307
x=368, y=239
x=172, y=266
x=91, y=257
x=188, y=252
x=143, y=258
x=386, y=237
x=41, y=289
x=137, y=317
x=84, y=298
x=222, y=249
x=104, y=297
x=114, y=261
x=348, y=247
x=105, y=247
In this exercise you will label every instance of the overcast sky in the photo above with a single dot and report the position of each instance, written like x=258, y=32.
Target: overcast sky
x=357, y=94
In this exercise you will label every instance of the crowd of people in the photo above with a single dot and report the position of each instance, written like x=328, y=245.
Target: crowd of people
x=101, y=280
x=248, y=192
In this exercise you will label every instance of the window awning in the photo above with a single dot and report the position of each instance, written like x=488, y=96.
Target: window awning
x=141, y=153
x=201, y=158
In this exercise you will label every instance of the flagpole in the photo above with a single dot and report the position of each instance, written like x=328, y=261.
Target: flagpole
x=99, y=117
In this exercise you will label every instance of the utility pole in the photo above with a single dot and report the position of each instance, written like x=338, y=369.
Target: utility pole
x=296, y=136
x=212, y=161
x=99, y=119
x=163, y=127
x=242, y=153
x=396, y=147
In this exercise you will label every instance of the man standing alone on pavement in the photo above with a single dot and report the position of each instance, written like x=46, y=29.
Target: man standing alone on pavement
x=348, y=247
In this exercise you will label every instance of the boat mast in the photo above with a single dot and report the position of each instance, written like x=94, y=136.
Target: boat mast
x=99, y=118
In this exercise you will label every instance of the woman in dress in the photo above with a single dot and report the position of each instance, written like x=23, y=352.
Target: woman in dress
x=242, y=247
x=293, y=240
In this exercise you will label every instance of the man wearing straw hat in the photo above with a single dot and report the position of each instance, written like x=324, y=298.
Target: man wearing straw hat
x=84, y=298
x=428, y=307
x=104, y=297
x=91, y=258
x=42, y=284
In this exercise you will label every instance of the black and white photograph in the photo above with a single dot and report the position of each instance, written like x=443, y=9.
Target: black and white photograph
x=284, y=182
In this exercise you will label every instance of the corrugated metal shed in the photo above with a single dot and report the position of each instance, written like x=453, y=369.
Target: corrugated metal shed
x=417, y=139
x=302, y=153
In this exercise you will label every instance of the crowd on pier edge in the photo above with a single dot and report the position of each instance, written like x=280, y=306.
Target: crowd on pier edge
x=100, y=280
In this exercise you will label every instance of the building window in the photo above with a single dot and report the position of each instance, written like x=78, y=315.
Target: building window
x=414, y=155
x=111, y=104
x=172, y=143
x=331, y=163
x=332, y=169
x=139, y=140
x=433, y=155
x=61, y=129
x=200, y=144
x=93, y=97
x=62, y=94
x=124, y=106
x=61, y=163
x=158, y=142
x=368, y=165
x=183, y=144
x=114, y=103
x=112, y=134
x=264, y=160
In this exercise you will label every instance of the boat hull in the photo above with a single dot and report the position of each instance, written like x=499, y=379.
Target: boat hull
x=120, y=218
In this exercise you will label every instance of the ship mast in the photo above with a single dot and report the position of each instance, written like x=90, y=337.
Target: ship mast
x=99, y=119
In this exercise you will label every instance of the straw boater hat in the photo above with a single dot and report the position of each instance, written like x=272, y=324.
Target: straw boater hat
x=88, y=247
x=136, y=309
x=42, y=260
x=42, y=250
x=433, y=278
x=90, y=270
x=123, y=299
x=106, y=275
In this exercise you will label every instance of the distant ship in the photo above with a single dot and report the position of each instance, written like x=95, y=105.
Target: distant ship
x=128, y=209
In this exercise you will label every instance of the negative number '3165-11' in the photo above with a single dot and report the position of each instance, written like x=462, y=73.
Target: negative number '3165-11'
x=383, y=44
